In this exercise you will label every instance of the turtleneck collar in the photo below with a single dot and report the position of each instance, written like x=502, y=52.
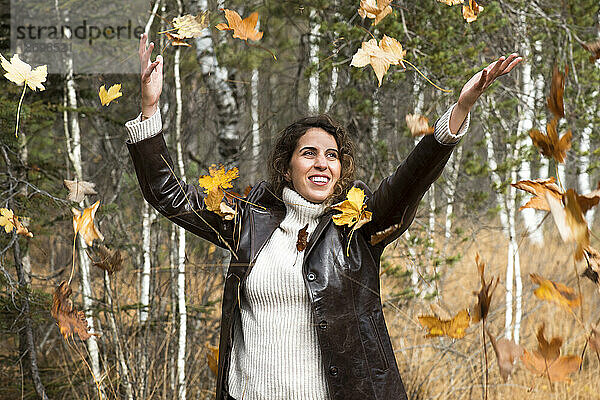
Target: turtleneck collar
x=301, y=208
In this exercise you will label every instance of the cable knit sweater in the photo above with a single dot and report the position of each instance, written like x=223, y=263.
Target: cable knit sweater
x=275, y=351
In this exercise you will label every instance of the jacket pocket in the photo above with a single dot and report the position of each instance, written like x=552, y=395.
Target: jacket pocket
x=383, y=361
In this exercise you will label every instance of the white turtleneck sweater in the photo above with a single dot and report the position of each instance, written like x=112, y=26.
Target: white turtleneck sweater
x=275, y=353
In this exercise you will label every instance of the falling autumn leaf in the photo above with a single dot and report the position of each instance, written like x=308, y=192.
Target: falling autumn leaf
x=594, y=49
x=550, y=145
x=375, y=9
x=588, y=200
x=214, y=202
x=388, y=52
x=104, y=258
x=594, y=341
x=113, y=92
x=418, y=125
x=570, y=222
x=242, y=29
x=189, y=26
x=218, y=178
x=557, y=89
x=212, y=357
x=539, y=188
x=546, y=360
x=11, y=222
x=175, y=41
x=507, y=353
x=70, y=321
x=83, y=223
x=20, y=72
x=302, y=238
x=380, y=236
x=555, y=292
x=79, y=189
x=592, y=272
x=354, y=210
x=451, y=2
x=471, y=11
x=454, y=328
x=484, y=296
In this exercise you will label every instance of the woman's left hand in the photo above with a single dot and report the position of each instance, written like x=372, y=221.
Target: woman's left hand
x=484, y=78
x=477, y=85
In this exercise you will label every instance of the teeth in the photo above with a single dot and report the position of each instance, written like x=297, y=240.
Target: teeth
x=318, y=179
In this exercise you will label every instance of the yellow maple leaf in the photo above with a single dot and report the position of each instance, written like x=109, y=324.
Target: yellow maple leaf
x=214, y=202
x=242, y=28
x=218, y=178
x=380, y=56
x=83, y=223
x=455, y=328
x=189, y=26
x=20, y=72
x=10, y=221
x=451, y=2
x=555, y=292
x=354, y=212
x=418, y=125
x=107, y=96
x=375, y=9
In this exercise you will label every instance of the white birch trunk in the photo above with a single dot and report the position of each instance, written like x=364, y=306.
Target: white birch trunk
x=73, y=137
x=332, y=89
x=454, y=162
x=181, y=374
x=148, y=216
x=313, y=59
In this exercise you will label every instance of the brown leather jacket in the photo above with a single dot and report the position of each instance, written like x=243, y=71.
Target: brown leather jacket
x=344, y=290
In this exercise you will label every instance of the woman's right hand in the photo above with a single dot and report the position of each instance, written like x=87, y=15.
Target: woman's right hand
x=151, y=78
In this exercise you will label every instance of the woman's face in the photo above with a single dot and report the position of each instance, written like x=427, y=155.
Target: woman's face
x=315, y=166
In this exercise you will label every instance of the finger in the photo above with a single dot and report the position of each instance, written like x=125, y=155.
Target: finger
x=148, y=71
x=142, y=47
x=497, y=65
x=145, y=58
x=508, y=61
x=513, y=64
x=482, y=80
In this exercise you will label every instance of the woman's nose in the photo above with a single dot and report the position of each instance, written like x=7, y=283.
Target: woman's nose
x=320, y=162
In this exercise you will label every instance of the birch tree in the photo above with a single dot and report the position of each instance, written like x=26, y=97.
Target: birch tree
x=313, y=61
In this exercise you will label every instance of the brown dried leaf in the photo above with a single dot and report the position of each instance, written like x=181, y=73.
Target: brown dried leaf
x=507, y=352
x=213, y=358
x=594, y=49
x=104, y=258
x=418, y=125
x=558, y=370
x=70, y=321
x=302, y=238
x=550, y=350
x=592, y=272
x=588, y=200
x=471, y=11
x=550, y=145
x=247, y=190
x=557, y=89
x=454, y=328
x=451, y=2
x=176, y=41
x=539, y=188
x=595, y=341
x=484, y=296
x=375, y=9
x=244, y=29
x=555, y=292
x=214, y=202
x=380, y=236
x=78, y=190
x=570, y=222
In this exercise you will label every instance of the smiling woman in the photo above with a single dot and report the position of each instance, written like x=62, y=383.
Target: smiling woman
x=302, y=321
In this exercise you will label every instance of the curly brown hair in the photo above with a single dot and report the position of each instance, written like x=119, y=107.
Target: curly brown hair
x=285, y=144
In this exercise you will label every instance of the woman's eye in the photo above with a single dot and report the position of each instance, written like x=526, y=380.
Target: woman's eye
x=332, y=155
x=309, y=153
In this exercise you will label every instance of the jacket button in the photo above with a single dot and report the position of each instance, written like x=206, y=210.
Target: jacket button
x=323, y=325
x=333, y=370
x=311, y=276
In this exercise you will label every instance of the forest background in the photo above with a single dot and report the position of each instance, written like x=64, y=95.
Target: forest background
x=223, y=102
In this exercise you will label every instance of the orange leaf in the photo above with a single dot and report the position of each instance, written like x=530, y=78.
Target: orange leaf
x=10, y=222
x=104, y=258
x=539, y=188
x=83, y=223
x=557, y=89
x=175, y=41
x=380, y=236
x=302, y=238
x=70, y=321
x=214, y=202
x=588, y=200
x=557, y=371
x=451, y=2
x=213, y=358
x=454, y=328
x=549, y=144
x=242, y=29
x=555, y=292
x=418, y=125
x=592, y=272
x=471, y=11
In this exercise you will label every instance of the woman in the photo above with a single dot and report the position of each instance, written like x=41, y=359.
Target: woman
x=302, y=323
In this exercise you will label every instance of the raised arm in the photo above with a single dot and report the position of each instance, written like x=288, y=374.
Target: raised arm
x=181, y=203
x=394, y=204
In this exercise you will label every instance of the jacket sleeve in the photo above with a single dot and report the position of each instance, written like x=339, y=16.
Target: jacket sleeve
x=181, y=203
x=394, y=204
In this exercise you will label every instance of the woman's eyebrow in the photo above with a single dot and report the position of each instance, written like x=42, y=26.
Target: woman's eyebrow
x=315, y=149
